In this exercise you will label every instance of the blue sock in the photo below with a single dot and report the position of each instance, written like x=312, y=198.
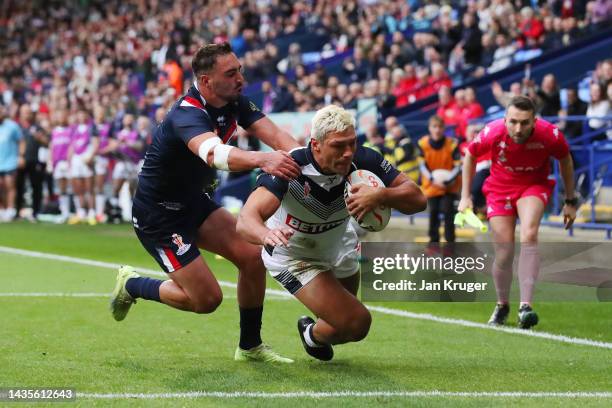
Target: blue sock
x=145, y=288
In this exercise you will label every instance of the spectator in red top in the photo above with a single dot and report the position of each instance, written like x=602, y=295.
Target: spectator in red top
x=471, y=110
x=474, y=107
x=405, y=86
x=530, y=28
x=461, y=113
x=439, y=77
x=446, y=106
x=423, y=87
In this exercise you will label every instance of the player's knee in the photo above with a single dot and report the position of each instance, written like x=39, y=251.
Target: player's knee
x=207, y=304
x=250, y=262
x=361, y=326
x=356, y=327
x=529, y=235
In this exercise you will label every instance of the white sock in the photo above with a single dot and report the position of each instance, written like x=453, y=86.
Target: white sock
x=308, y=337
x=80, y=212
x=114, y=201
x=91, y=213
x=10, y=213
x=64, y=204
x=100, y=201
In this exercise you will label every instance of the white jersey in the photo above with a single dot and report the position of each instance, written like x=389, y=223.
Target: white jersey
x=313, y=204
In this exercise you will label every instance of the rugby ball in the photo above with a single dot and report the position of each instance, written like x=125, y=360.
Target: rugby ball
x=441, y=176
x=377, y=219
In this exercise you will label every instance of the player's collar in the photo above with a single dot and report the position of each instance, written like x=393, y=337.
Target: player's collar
x=198, y=93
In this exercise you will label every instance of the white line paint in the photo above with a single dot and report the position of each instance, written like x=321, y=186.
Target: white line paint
x=379, y=309
x=53, y=294
x=101, y=295
x=351, y=394
x=513, y=330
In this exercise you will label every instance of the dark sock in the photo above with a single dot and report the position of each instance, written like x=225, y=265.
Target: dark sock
x=145, y=288
x=250, y=327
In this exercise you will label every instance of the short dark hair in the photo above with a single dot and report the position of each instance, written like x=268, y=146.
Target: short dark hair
x=522, y=103
x=205, y=58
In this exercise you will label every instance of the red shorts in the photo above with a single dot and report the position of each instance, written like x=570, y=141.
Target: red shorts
x=502, y=201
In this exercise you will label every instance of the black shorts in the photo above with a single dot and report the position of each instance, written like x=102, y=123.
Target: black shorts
x=168, y=231
x=8, y=173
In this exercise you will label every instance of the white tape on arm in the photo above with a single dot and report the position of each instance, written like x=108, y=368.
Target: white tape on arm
x=221, y=156
x=206, y=146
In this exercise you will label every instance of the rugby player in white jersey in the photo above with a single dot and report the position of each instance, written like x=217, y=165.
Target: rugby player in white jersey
x=303, y=224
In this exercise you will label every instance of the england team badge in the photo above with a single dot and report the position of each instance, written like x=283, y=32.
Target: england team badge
x=182, y=247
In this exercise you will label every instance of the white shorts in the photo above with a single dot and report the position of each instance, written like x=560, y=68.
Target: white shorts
x=61, y=170
x=78, y=167
x=294, y=272
x=101, y=165
x=124, y=170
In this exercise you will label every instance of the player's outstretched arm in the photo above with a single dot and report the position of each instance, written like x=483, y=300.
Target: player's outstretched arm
x=469, y=167
x=403, y=195
x=223, y=157
x=267, y=131
x=251, y=222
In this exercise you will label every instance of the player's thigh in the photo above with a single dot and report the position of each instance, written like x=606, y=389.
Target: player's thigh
x=170, y=240
x=325, y=296
x=530, y=209
x=351, y=283
x=218, y=234
x=198, y=282
x=502, y=228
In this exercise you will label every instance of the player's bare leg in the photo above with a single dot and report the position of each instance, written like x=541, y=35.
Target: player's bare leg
x=531, y=210
x=251, y=282
x=342, y=317
x=79, y=200
x=246, y=256
x=502, y=229
x=191, y=288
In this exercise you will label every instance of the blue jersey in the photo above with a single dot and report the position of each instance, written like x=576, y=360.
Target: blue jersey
x=172, y=173
x=313, y=204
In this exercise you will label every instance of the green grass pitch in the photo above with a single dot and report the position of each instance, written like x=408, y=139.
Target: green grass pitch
x=72, y=341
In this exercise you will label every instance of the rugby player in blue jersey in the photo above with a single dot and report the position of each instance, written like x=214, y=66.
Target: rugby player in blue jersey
x=172, y=214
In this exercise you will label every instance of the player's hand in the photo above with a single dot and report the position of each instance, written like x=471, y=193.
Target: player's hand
x=21, y=162
x=362, y=200
x=569, y=215
x=278, y=236
x=465, y=203
x=280, y=164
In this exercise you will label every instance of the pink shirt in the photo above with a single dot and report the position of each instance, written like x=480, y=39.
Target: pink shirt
x=81, y=138
x=103, y=130
x=60, y=142
x=129, y=136
x=519, y=164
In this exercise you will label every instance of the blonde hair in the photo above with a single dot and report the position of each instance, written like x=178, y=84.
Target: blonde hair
x=330, y=119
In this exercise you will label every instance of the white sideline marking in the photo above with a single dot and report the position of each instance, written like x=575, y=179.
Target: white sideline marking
x=513, y=330
x=342, y=394
x=380, y=309
x=102, y=295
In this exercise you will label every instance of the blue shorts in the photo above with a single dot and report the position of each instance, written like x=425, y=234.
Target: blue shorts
x=168, y=231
